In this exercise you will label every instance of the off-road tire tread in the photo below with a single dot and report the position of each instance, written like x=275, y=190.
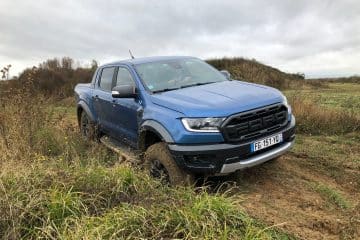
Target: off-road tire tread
x=161, y=152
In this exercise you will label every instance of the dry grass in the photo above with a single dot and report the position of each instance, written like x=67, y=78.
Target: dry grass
x=314, y=119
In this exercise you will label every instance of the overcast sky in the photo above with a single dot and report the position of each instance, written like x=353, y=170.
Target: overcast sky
x=318, y=38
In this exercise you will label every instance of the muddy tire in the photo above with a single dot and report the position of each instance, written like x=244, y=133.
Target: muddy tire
x=161, y=165
x=87, y=127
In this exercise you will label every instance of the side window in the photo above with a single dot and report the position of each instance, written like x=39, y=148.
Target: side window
x=124, y=77
x=106, y=78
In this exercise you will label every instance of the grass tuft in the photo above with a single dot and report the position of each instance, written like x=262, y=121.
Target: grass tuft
x=333, y=196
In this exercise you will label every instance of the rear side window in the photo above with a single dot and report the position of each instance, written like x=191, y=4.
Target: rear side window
x=106, y=78
x=124, y=77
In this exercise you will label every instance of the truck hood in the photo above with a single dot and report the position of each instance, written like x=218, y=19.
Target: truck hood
x=217, y=99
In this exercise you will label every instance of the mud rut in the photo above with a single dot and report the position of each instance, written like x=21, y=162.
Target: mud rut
x=278, y=193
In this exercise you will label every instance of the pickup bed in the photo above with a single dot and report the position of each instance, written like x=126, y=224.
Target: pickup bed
x=188, y=118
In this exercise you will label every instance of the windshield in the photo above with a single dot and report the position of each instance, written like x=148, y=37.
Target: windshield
x=179, y=73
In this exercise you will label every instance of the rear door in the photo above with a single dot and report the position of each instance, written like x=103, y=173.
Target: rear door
x=126, y=110
x=102, y=98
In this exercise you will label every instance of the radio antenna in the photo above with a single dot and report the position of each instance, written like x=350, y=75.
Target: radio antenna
x=131, y=54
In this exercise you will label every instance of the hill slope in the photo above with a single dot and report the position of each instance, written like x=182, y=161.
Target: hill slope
x=254, y=71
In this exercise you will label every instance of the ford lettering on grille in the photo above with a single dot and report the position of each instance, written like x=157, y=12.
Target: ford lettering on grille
x=255, y=123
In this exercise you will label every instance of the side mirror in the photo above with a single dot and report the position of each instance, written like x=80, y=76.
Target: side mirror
x=124, y=91
x=226, y=74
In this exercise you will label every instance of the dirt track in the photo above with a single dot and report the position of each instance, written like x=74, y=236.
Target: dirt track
x=280, y=193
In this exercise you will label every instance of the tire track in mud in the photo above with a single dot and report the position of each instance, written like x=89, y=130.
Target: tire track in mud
x=279, y=192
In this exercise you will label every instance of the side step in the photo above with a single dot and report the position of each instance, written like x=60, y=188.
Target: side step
x=125, y=152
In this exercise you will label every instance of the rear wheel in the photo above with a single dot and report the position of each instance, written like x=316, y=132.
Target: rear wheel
x=161, y=165
x=87, y=128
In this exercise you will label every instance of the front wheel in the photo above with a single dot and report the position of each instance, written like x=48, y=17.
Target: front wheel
x=161, y=165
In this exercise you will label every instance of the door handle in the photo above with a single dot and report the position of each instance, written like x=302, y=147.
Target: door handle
x=96, y=97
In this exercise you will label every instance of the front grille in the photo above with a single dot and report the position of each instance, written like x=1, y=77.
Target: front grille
x=255, y=123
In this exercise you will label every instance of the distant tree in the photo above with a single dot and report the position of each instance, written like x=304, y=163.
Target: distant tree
x=300, y=75
x=51, y=64
x=5, y=72
x=67, y=63
x=94, y=64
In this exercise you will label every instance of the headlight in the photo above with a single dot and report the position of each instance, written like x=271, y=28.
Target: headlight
x=202, y=124
x=285, y=102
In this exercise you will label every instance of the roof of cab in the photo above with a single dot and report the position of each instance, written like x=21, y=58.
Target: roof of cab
x=136, y=61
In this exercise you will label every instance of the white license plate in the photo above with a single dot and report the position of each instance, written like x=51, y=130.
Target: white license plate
x=266, y=142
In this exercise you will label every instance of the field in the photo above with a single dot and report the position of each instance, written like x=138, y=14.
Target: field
x=54, y=185
x=312, y=192
x=342, y=96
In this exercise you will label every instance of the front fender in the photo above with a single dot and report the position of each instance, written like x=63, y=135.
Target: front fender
x=82, y=106
x=157, y=128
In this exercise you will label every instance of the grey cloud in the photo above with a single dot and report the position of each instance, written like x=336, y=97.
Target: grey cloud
x=279, y=33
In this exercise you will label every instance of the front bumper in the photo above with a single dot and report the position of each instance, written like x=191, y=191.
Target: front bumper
x=224, y=158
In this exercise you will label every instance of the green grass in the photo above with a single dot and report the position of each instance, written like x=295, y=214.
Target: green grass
x=337, y=157
x=341, y=96
x=332, y=196
x=89, y=201
x=333, y=147
x=321, y=112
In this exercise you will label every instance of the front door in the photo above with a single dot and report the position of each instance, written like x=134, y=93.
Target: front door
x=127, y=111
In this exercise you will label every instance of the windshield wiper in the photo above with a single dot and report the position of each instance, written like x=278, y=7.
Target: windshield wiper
x=196, y=84
x=164, y=90
x=185, y=86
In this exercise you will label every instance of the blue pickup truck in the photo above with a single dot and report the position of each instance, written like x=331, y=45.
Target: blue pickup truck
x=187, y=118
